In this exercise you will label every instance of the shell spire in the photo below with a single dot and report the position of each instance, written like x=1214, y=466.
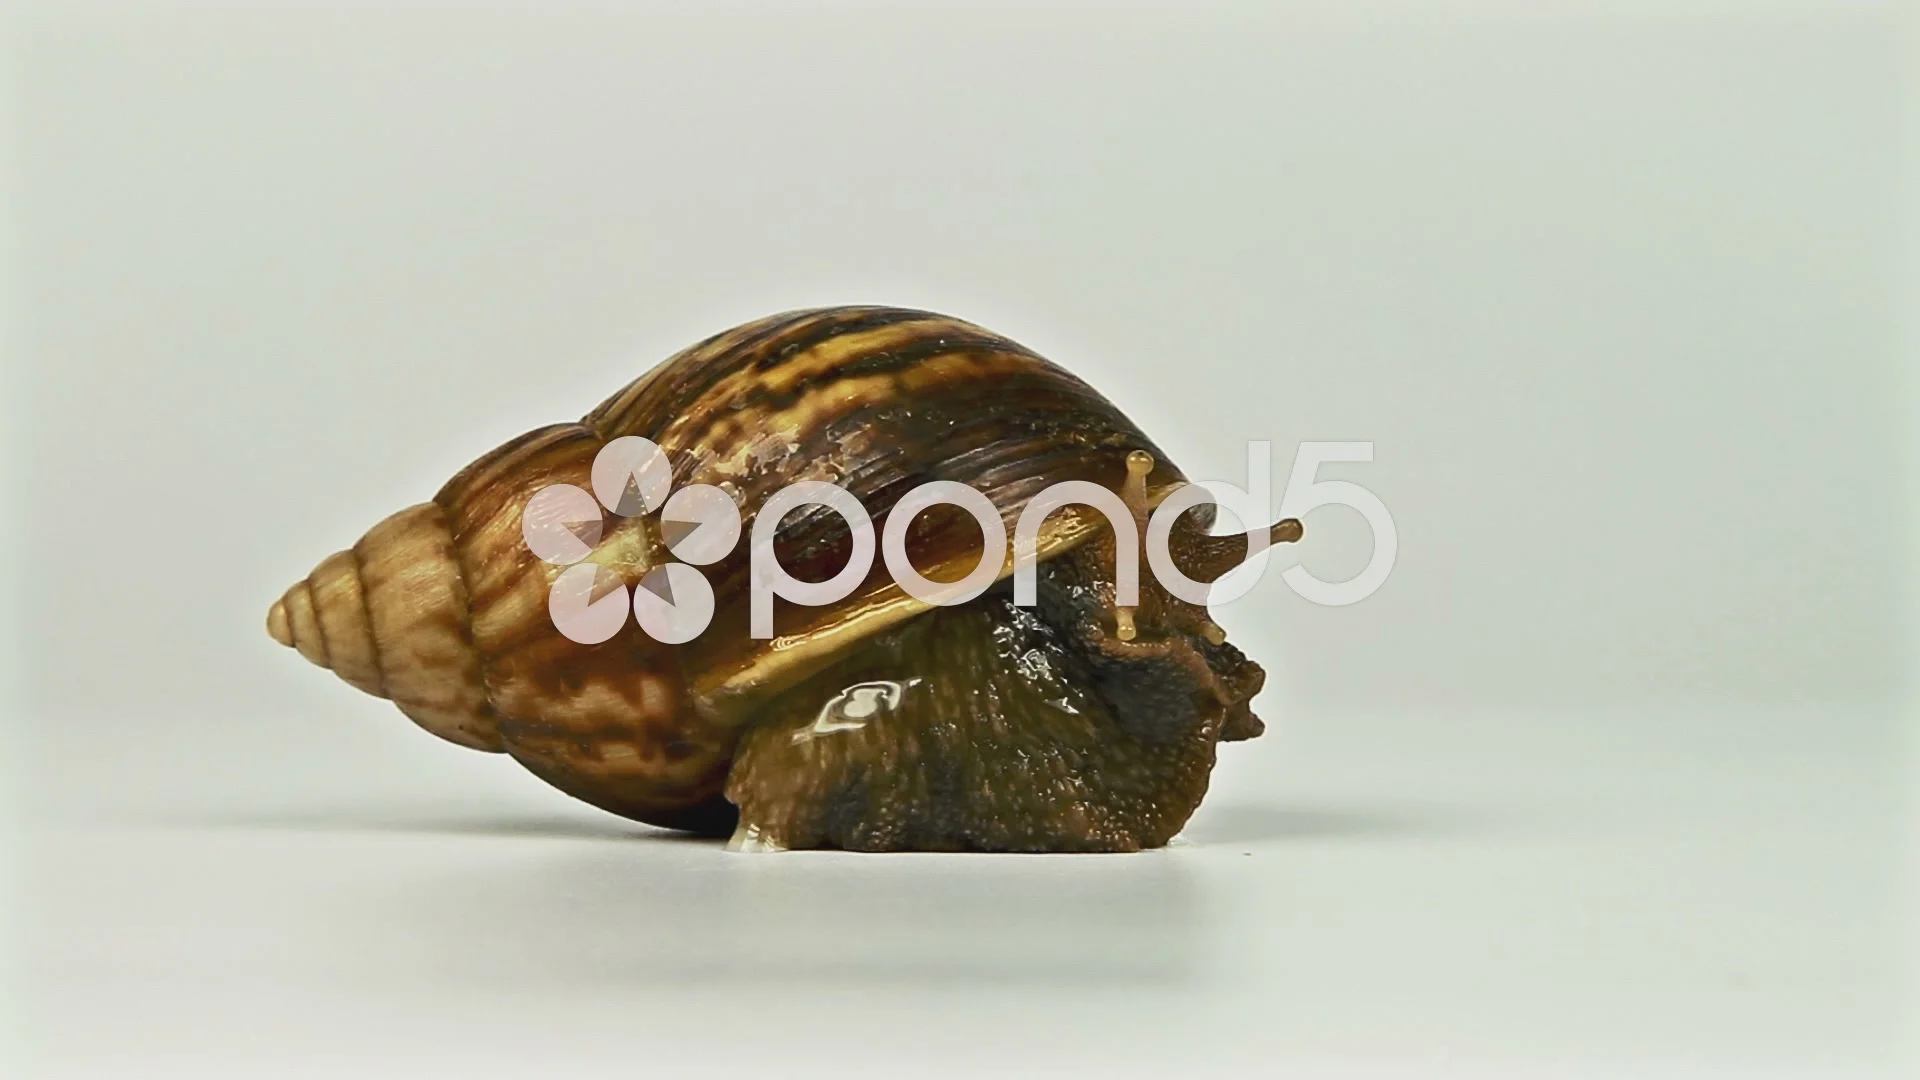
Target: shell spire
x=389, y=617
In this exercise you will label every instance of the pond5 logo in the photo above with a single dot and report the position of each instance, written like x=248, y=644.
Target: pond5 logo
x=673, y=602
x=700, y=524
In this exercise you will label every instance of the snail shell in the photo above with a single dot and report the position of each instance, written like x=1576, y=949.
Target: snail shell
x=877, y=722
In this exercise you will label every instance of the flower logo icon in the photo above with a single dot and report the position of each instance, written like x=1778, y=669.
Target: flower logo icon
x=673, y=602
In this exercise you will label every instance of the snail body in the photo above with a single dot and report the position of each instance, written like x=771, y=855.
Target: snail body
x=877, y=722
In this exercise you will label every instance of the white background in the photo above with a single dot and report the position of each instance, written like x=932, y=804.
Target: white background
x=1612, y=778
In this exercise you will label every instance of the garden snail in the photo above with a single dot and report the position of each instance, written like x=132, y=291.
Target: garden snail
x=877, y=722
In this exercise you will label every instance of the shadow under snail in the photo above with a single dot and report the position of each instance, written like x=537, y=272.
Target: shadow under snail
x=879, y=722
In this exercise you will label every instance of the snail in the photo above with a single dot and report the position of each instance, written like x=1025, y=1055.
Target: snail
x=879, y=721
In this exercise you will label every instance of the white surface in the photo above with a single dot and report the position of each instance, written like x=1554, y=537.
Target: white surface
x=1652, y=893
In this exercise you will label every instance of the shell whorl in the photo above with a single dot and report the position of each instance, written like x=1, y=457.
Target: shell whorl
x=390, y=617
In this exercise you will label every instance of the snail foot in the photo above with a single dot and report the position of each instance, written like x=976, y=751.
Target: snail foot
x=752, y=840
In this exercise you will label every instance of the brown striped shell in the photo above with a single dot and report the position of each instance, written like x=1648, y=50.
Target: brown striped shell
x=443, y=608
